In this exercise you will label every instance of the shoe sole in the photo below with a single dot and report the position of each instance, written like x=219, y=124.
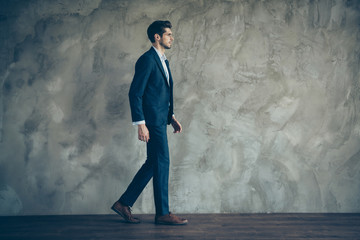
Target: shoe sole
x=174, y=224
x=114, y=209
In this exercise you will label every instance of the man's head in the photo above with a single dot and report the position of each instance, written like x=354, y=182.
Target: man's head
x=160, y=31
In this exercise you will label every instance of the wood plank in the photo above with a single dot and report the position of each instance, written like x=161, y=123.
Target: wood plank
x=201, y=226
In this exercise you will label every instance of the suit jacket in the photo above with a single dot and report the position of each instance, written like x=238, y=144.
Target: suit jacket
x=150, y=95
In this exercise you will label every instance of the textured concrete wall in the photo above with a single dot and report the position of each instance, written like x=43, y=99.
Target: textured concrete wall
x=268, y=93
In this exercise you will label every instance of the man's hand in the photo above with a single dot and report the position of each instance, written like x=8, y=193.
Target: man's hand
x=176, y=125
x=143, y=133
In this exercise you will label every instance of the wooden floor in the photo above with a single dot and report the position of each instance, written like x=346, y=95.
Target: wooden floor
x=201, y=226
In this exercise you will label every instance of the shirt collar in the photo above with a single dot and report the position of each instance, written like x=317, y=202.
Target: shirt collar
x=162, y=57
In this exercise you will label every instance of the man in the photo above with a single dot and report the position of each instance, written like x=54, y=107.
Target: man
x=151, y=103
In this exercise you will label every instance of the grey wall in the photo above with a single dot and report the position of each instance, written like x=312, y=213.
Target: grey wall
x=267, y=91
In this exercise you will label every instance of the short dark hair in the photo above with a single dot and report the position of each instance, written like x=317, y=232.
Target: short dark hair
x=157, y=27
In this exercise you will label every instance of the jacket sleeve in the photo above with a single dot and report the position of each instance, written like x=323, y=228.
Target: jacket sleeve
x=143, y=68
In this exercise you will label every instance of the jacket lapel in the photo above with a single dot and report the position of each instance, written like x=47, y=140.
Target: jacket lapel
x=158, y=62
x=168, y=68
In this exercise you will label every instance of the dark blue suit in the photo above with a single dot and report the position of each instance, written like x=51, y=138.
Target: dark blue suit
x=151, y=99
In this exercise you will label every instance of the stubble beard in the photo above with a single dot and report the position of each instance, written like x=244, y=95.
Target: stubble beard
x=165, y=46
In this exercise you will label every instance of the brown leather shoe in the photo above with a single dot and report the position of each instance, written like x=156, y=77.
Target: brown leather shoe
x=125, y=212
x=170, y=219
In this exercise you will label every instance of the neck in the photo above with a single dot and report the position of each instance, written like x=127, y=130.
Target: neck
x=160, y=48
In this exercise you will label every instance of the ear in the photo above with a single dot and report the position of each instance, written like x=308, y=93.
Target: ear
x=157, y=36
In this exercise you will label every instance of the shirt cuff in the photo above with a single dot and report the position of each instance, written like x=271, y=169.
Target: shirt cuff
x=139, y=122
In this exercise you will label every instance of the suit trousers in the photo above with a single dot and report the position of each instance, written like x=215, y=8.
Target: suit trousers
x=156, y=166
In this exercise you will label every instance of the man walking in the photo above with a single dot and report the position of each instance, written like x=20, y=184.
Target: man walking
x=151, y=103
